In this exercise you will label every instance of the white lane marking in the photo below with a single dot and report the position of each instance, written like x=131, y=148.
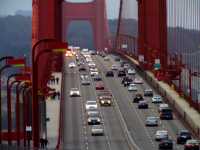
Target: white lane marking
x=123, y=121
x=140, y=120
x=105, y=130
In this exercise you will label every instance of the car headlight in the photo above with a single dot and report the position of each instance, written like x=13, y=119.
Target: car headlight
x=98, y=120
x=102, y=102
x=109, y=102
x=89, y=120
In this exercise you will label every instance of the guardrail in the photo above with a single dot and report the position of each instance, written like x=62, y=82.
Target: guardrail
x=171, y=100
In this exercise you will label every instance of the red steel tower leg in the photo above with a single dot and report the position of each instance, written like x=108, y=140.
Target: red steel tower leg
x=153, y=31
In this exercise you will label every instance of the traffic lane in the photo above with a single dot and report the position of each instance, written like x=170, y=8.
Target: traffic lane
x=172, y=126
x=91, y=142
x=135, y=125
x=113, y=129
x=72, y=113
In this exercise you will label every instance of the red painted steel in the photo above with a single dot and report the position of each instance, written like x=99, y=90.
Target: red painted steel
x=6, y=136
x=94, y=12
x=16, y=61
x=153, y=31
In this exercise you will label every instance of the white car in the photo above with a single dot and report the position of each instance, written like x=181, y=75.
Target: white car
x=162, y=106
x=161, y=134
x=138, y=81
x=94, y=69
x=72, y=65
x=132, y=87
x=157, y=99
x=106, y=58
x=114, y=67
x=97, y=130
x=151, y=121
x=91, y=105
x=74, y=92
x=94, y=73
x=131, y=71
x=91, y=64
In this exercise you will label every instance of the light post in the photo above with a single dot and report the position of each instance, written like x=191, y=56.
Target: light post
x=1, y=70
x=35, y=91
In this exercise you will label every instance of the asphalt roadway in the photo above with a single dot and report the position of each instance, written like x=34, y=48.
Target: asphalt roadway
x=77, y=134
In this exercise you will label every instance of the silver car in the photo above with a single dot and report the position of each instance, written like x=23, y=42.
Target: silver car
x=97, y=130
x=151, y=121
x=94, y=120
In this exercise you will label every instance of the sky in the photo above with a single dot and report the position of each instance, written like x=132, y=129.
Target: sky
x=11, y=6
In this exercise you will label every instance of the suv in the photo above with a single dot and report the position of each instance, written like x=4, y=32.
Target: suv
x=183, y=136
x=109, y=74
x=166, y=114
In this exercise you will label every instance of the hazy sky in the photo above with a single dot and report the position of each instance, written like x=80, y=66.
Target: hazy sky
x=11, y=6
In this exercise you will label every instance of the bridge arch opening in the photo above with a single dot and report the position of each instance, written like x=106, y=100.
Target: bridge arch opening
x=80, y=33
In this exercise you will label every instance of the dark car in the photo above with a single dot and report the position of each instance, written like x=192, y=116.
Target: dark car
x=121, y=73
x=117, y=59
x=166, y=114
x=109, y=74
x=138, y=97
x=166, y=144
x=126, y=81
x=183, y=136
x=82, y=68
x=97, y=78
x=143, y=104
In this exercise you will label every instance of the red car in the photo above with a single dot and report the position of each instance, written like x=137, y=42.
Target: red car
x=192, y=145
x=99, y=86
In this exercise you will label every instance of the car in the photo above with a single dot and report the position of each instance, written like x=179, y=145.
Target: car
x=138, y=97
x=97, y=130
x=74, y=92
x=90, y=105
x=143, y=104
x=85, y=81
x=114, y=67
x=148, y=92
x=105, y=101
x=126, y=66
x=106, y=58
x=132, y=87
x=93, y=69
x=161, y=135
x=192, y=144
x=82, y=68
x=93, y=73
x=166, y=144
x=131, y=71
x=99, y=86
x=166, y=114
x=183, y=136
x=162, y=106
x=138, y=81
x=91, y=64
x=93, y=113
x=117, y=59
x=121, y=73
x=72, y=65
x=97, y=78
x=109, y=74
x=126, y=81
x=157, y=99
x=94, y=120
x=151, y=121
